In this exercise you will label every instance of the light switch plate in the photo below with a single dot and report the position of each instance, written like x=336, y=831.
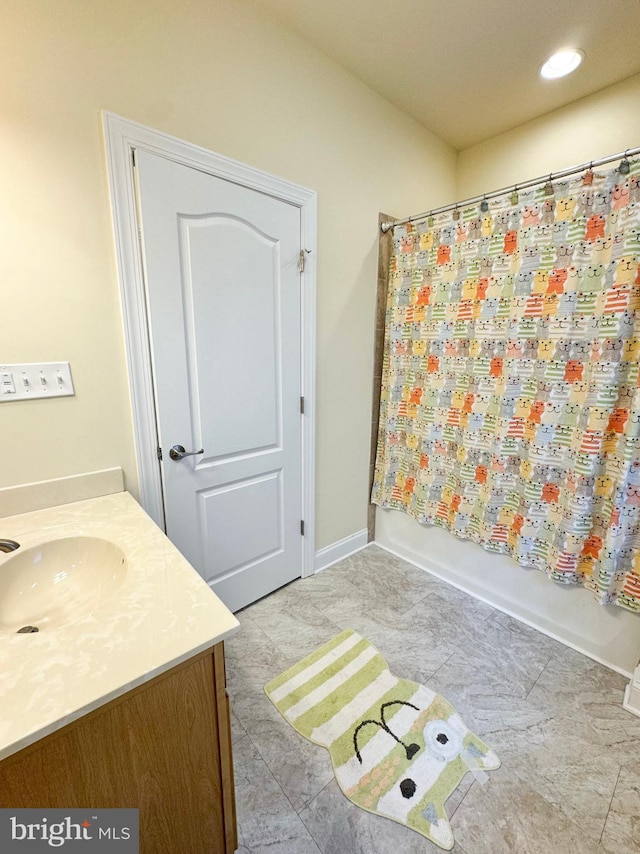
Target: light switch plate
x=35, y=379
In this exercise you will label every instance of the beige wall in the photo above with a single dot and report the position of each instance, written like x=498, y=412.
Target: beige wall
x=217, y=74
x=594, y=127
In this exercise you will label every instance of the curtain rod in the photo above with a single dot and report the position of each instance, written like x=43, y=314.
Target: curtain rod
x=552, y=176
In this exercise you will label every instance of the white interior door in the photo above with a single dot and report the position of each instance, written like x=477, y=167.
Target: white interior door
x=223, y=287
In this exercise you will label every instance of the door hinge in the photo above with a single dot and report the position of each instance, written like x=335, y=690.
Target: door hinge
x=301, y=259
x=133, y=157
x=301, y=405
x=302, y=527
x=159, y=452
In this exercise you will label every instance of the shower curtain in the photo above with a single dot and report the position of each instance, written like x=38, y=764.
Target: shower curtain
x=510, y=402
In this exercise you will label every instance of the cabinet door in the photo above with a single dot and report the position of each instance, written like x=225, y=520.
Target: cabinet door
x=163, y=748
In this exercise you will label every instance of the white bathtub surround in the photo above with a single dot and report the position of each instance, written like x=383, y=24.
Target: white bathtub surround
x=161, y=614
x=632, y=694
x=27, y=497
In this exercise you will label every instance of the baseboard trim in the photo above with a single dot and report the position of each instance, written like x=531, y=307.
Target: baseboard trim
x=340, y=550
x=442, y=575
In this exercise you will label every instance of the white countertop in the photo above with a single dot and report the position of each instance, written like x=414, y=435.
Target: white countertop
x=162, y=614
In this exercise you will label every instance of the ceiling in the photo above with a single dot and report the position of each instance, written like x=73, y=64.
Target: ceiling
x=468, y=69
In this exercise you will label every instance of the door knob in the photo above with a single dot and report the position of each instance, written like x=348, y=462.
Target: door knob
x=178, y=452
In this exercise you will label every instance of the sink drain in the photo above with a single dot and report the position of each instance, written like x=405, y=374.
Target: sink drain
x=25, y=630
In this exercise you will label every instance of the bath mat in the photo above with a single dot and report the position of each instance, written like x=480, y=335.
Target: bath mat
x=398, y=749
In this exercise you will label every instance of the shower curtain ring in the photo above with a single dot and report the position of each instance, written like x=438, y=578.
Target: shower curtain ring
x=587, y=178
x=625, y=167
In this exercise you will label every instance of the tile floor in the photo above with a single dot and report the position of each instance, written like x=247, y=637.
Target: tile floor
x=570, y=776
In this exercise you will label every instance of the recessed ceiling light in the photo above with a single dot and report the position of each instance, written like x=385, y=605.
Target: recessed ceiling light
x=561, y=63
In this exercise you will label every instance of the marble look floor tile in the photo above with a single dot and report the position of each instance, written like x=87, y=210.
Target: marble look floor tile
x=505, y=668
x=458, y=795
x=572, y=682
x=577, y=689
x=412, y=652
x=301, y=768
x=246, y=678
x=248, y=700
x=507, y=655
x=621, y=833
x=266, y=820
x=237, y=730
x=376, y=584
x=544, y=751
x=451, y=612
x=501, y=628
x=250, y=643
x=296, y=628
x=412, y=649
x=506, y=815
x=618, y=740
x=564, y=769
x=322, y=589
x=487, y=706
x=473, y=689
x=253, y=658
x=526, y=633
x=257, y=668
x=339, y=826
x=332, y=594
x=380, y=575
x=426, y=628
x=354, y=612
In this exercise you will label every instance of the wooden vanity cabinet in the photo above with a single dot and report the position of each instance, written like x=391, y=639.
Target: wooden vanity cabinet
x=163, y=747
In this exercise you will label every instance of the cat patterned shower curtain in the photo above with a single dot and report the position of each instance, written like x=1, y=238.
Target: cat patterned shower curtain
x=510, y=404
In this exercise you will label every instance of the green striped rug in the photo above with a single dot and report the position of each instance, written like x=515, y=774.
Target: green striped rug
x=398, y=749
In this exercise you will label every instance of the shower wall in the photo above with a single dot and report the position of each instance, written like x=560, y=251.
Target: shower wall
x=588, y=129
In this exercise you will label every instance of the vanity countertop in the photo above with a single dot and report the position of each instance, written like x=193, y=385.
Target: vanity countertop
x=162, y=614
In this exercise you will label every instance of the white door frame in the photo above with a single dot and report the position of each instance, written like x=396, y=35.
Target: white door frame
x=122, y=136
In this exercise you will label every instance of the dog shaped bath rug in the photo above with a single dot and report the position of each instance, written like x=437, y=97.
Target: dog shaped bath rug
x=398, y=749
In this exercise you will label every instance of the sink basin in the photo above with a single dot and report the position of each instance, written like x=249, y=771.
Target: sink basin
x=58, y=582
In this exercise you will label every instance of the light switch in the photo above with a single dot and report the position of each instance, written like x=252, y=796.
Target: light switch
x=8, y=385
x=38, y=379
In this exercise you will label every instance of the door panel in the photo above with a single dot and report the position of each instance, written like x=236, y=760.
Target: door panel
x=253, y=509
x=240, y=313
x=221, y=269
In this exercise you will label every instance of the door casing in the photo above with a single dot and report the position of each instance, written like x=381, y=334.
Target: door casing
x=122, y=136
